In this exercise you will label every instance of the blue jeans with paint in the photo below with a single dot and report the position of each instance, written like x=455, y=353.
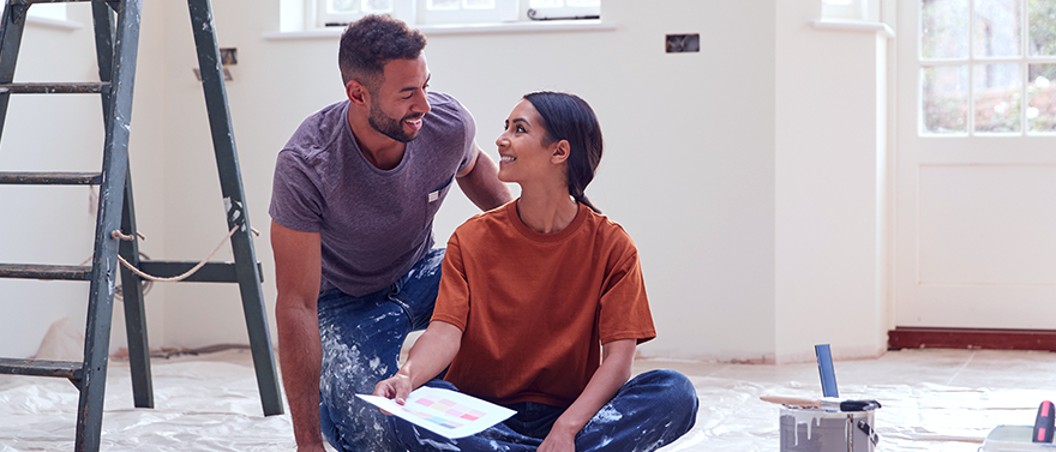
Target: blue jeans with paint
x=653, y=409
x=361, y=339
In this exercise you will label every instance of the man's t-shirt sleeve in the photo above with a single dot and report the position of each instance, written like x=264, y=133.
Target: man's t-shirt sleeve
x=469, y=127
x=296, y=200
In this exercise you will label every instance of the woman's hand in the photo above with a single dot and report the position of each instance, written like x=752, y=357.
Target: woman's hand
x=395, y=387
x=560, y=439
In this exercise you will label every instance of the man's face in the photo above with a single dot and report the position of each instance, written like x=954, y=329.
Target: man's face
x=399, y=103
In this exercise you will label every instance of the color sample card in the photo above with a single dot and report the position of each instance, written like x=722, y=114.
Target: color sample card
x=447, y=413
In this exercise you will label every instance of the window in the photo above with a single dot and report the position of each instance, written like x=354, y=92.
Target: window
x=44, y=11
x=843, y=9
x=434, y=12
x=987, y=67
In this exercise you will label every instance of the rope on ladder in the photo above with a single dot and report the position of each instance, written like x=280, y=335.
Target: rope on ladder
x=117, y=234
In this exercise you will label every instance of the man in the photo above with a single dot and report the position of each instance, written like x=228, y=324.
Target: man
x=354, y=196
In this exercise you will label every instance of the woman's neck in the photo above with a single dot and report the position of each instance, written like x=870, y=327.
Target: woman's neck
x=546, y=210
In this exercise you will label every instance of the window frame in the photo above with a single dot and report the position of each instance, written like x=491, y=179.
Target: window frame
x=416, y=13
x=972, y=62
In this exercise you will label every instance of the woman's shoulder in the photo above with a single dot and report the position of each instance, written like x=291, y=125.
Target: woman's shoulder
x=485, y=221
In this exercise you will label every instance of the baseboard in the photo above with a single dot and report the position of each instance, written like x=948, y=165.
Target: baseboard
x=969, y=338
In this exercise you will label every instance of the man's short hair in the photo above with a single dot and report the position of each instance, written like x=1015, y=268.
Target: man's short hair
x=368, y=43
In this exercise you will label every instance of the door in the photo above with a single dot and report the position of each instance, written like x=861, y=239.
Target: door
x=975, y=212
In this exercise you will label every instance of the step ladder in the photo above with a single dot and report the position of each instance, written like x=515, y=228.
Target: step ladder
x=116, y=48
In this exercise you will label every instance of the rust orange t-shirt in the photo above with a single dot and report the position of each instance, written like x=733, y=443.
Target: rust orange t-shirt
x=536, y=308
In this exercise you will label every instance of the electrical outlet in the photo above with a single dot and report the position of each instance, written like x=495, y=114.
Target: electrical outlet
x=228, y=56
x=683, y=43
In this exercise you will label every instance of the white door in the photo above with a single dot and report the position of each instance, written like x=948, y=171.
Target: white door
x=975, y=238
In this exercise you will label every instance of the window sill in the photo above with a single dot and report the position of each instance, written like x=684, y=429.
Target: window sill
x=459, y=29
x=55, y=24
x=860, y=26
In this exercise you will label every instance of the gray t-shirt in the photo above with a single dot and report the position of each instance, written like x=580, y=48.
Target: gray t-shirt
x=374, y=224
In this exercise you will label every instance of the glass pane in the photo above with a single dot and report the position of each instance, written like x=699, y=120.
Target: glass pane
x=342, y=6
x=944, y=99
x=377, y=6
x=944, y=28
x=546, y=3
x=996, y=31
x=446, y=5
x=998, y=98
x=1041, y=98
x=1042, y=27
x=478, y=4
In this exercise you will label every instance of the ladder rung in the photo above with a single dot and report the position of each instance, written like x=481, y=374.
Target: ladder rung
x=54, y=88
x=22, y=178
x=35, y=271
x=41, y=368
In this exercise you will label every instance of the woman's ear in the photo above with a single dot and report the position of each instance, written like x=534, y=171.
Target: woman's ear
x=357, y=93
x=560, y=152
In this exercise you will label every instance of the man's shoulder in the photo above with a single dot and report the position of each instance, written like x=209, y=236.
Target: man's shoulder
x=317, y=132
x=447, y=111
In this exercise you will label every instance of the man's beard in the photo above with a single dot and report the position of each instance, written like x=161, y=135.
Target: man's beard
x=391, y=127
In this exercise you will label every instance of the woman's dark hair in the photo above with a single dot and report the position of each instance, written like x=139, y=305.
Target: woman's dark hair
x=568, y=117
x=368, y=43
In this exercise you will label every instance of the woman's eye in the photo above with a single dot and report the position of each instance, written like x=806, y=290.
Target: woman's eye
x=520, y=129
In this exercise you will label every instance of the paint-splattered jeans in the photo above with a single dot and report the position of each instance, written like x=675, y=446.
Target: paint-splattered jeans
x=361, y=339
x=653, y=409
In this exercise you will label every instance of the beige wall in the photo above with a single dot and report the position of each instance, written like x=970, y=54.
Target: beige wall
x=707, y=156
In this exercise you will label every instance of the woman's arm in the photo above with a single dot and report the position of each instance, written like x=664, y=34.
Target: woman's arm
x=431, y=353
x=615, y=370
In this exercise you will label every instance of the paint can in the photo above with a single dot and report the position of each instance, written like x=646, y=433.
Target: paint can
x=817, y=430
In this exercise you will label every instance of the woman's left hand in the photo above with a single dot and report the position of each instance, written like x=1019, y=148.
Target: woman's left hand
x=558, y=442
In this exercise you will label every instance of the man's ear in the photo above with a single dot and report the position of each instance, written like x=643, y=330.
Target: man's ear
x=357, y=93
x=560, y=152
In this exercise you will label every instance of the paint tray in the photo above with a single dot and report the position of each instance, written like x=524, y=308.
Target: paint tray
x=1013, y=438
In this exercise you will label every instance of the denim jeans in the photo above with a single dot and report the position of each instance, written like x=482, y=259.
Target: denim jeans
x=361, y=339
x=653, y=409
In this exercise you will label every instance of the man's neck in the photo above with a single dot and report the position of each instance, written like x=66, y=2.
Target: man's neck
x=381, y=151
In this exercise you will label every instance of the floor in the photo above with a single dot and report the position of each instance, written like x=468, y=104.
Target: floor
x=933, y=400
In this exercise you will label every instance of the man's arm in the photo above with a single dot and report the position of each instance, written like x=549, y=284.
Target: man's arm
x=298, y=267
x=480, y=183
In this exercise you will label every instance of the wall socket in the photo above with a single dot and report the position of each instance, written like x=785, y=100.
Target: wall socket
x=683, y=43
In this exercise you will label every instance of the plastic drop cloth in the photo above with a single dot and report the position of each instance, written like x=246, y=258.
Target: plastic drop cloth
x=933, y=400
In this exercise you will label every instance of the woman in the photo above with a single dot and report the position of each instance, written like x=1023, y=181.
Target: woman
x=541, y=306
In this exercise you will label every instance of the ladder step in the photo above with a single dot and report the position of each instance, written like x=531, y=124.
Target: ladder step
x=54, y=88
x=35, y=271
x=22, y=178
x=41, y=368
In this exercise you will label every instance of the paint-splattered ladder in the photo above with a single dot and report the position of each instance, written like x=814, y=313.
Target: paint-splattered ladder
x=116, y=47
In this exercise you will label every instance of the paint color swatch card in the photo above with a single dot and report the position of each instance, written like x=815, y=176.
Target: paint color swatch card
x=448, y=413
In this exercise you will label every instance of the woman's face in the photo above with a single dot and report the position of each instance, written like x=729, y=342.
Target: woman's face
x=523, y=156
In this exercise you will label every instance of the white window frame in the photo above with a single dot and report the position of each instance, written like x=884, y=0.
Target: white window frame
x=844, y=9
x=561, y=12
x=416, y=13
x=504, y=11
x=46, y=11
x=401, y=9
x=1023, y=60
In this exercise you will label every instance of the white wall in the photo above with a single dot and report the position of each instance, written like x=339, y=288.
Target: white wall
x=831, y=183
x=712, y=160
